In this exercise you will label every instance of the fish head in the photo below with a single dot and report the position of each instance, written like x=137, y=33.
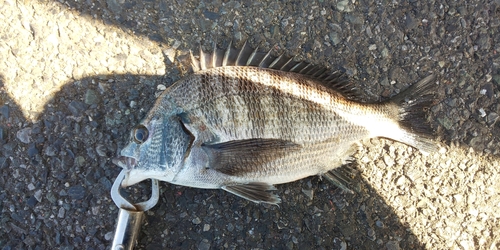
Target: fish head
x=156, y=150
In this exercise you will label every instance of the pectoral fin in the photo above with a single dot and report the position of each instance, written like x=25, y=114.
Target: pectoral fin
x=255, y=191
x=244, y=156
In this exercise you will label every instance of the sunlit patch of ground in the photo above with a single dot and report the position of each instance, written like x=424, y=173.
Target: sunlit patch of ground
x=35, y=42
x=449, y=198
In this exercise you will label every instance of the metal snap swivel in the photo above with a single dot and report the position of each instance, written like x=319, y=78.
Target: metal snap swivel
x=131, y=215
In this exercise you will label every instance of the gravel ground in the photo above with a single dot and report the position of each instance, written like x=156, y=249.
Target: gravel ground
x=76, y=76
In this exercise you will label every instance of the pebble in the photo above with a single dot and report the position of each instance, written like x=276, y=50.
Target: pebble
x=76, y=192
x=76, y=108
x=344, y=6
x=5, y=112
x=24, y=135
x=32, y=150
x=132, y=104
x=49, y=151
x=108, y=236
x=114, y=5
x=38, y=195
x=80, y=161
x=482, y=112
x=91, y=97
x=492, y=118
x=60, y=214
x=230, y=227
x=161, y=87
x=335, y=37
x=101, y=150
x=211, y=15
x=401, y=181
x=371, y=234
x=392, y=245
x=95, y=210
x=196, y=221
x=410, y=22
x=496, y=79
x=32, y=201
x=204, y=245
x=51, y=197
x=309, y=193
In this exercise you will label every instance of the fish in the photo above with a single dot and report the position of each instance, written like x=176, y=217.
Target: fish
x=244, y=121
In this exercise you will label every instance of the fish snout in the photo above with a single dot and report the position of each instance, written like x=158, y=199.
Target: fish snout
x=124, y=162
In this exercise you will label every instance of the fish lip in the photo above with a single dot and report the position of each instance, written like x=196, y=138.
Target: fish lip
x=125, y=162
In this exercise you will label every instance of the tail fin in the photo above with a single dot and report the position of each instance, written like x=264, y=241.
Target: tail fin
x=413, y=105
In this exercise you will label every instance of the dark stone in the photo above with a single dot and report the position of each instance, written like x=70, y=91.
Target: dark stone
x=50, y=151
x=211, y=15
x=32, y=150
x=32, y=201
x=3, y=162
x=76, y=108
x=4, y=111
x=114, y=6
x=76, y=192
x=2, y=134
x=156, y=38
x=105, y=182
x=91, y=97
x=410, y=22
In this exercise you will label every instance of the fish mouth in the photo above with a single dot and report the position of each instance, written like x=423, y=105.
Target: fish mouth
x=127, y=163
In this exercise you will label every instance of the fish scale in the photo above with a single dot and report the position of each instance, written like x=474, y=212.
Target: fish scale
x=245, y=120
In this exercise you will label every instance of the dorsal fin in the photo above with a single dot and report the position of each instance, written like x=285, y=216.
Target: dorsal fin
x=247, y=56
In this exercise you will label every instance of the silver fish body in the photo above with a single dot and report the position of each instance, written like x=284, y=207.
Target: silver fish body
x=243, y=127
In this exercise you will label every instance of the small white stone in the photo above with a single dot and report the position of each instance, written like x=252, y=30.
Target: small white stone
x=161, y=87
x=60, y=214
x=401, y=181
x=108, y=236
x=482, y=112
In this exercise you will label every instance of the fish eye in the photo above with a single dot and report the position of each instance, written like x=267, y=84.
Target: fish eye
x=140, y=134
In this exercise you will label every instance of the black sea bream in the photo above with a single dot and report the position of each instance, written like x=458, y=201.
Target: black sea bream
x=245, y=120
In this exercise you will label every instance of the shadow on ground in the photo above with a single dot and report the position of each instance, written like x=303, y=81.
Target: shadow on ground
x=55, y=187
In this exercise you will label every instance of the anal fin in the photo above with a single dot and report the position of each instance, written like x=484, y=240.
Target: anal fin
x=341, y=177
x=254, y=191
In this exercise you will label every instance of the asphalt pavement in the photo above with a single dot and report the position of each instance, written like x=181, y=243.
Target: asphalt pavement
x=77, y=76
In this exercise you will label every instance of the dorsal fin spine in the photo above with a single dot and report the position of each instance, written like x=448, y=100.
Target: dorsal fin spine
x=294, y=68
x=240, y=54
x=261, y=64
x=275, y=61
x=202, y=59
x=194, y=63
x=214, y=56
x=251, y=57
x=305, y=68
x=226, y=54
x=287, y=62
